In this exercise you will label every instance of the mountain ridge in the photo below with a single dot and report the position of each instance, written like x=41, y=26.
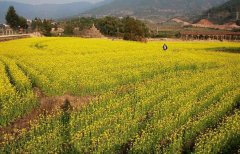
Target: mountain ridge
x=227, y=12
x=155, y=10
x=54, y=11
x=162, y=9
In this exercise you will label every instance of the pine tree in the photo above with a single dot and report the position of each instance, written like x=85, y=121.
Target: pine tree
x=12, y=18
x=46, y=27
x=22, y=22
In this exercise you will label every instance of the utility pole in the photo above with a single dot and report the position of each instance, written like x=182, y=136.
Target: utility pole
x=237, y=15
x=208, y=15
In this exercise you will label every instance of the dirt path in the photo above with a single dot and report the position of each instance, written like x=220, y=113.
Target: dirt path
x=4, y=38
x=48, y=105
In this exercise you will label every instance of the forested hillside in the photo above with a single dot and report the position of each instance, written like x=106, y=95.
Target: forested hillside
x=229, y=11
x=156, y=9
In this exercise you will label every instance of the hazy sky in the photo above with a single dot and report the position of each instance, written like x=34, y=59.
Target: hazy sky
x=51, y=1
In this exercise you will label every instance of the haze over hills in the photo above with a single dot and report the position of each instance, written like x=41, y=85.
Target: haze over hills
x=227, y=12
x=156, y=9
x=31, y=11
x=51, y=1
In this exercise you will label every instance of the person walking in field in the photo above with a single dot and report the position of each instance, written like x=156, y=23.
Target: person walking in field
x=165, y=47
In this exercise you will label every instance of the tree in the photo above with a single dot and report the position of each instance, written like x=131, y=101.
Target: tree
x=68, y=29
x=22, y=22
x=134, y=30
x=12, y=18
x=36, y=24
x=43, y=26
x=83, y=22
x=111, y=26
x=46, y=27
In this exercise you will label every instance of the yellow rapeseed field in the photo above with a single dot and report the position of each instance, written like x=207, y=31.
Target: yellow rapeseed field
x=141, y=99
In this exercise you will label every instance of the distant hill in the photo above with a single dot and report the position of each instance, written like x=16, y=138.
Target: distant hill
x=155, y=9
x=224, y=13
x=47, y=10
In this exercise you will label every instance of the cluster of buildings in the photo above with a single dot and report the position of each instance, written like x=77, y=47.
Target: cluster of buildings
x=6, y=30
x=210, y=32
x=231, y=36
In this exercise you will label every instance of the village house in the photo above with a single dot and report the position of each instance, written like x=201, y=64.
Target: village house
x=6, y=30
x=57, y=31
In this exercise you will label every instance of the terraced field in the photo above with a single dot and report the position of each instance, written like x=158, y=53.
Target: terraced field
x=72, y=95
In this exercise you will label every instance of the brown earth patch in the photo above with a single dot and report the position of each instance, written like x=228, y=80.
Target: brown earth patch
x=205, y=22
x=47, y=106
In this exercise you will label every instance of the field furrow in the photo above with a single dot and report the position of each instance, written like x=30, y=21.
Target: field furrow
x=222, y=139
x=74, y=95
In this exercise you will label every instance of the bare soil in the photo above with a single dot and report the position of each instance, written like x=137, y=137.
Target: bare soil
x=205, y=22
x=47, y=106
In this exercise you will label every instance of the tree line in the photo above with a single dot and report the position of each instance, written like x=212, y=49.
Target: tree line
x=127, y=28
x=17, y=22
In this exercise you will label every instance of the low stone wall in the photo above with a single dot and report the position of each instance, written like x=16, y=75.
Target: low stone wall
x=13, y=37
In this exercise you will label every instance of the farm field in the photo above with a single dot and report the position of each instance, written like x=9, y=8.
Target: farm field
x=73, y=95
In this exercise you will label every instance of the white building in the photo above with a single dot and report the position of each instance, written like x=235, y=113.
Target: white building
x=6, y=30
